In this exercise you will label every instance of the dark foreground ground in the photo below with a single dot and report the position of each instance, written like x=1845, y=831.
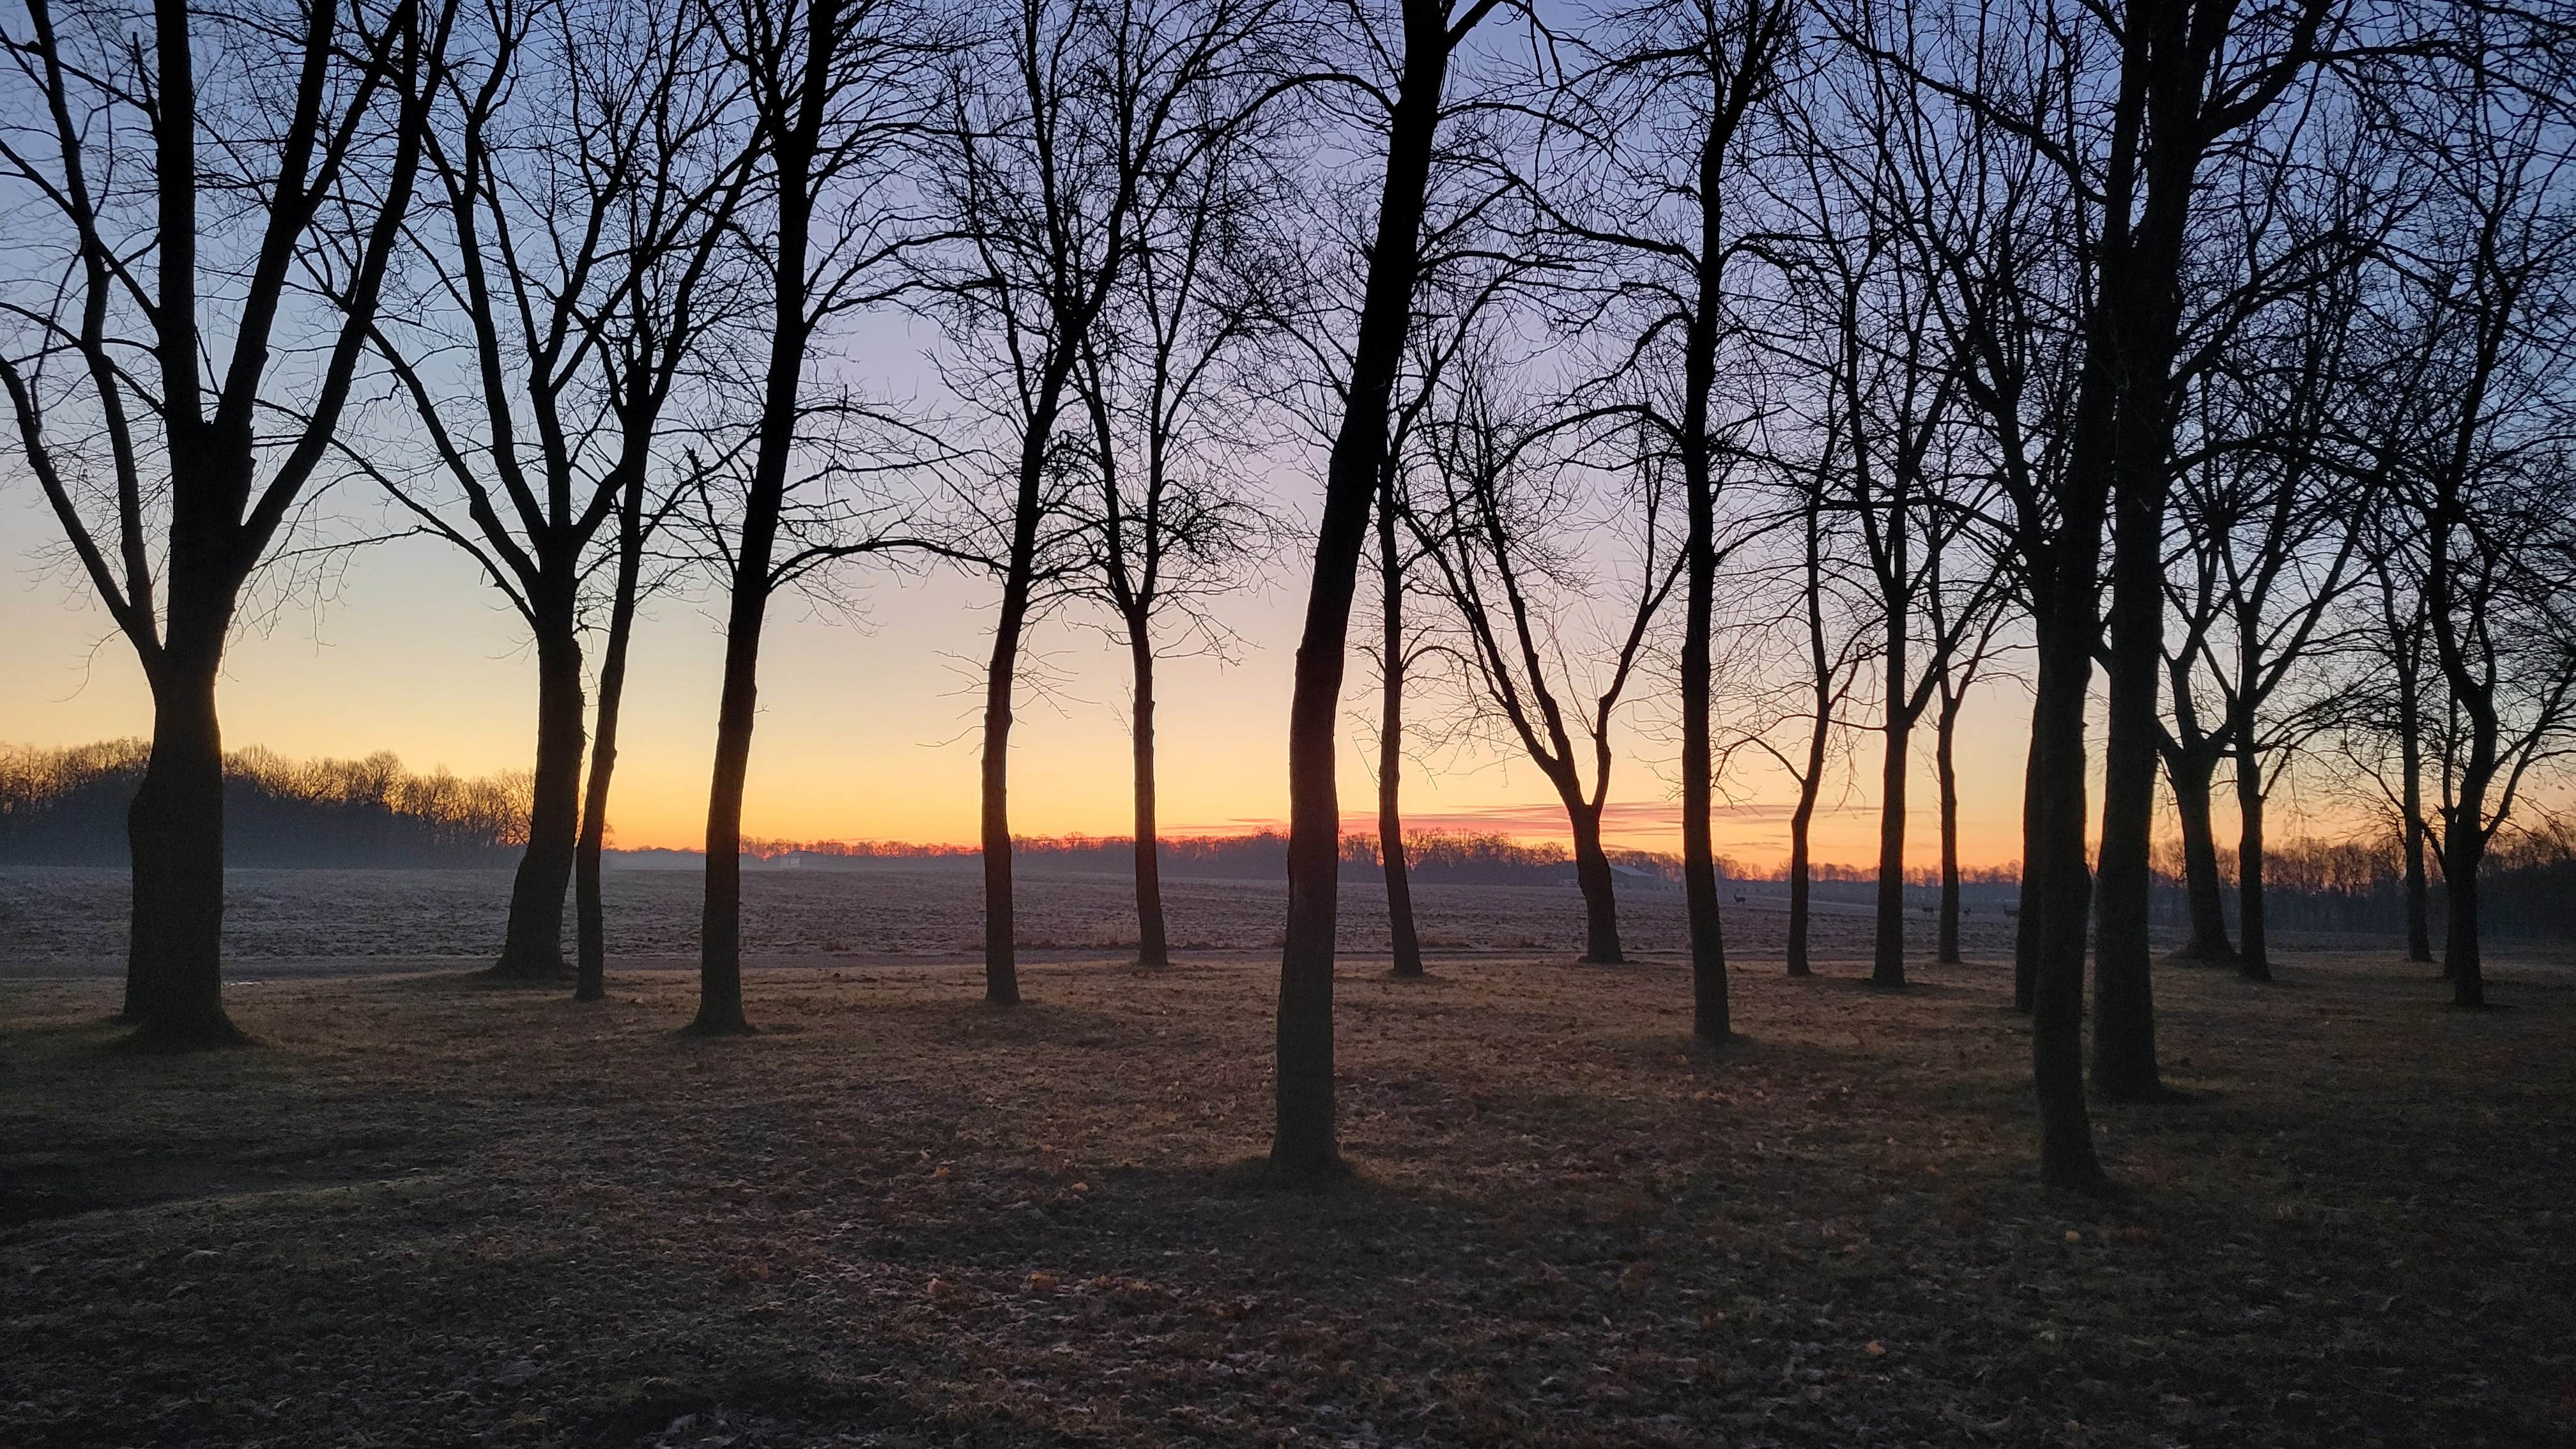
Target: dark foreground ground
x=428, y=1212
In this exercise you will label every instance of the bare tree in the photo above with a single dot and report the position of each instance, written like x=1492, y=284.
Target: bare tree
x=1173, y=524
x=1409, y=105
x=588, y=165
x=1666, y=108
x=832, y=89
x=1055, y=131
x=2273, y=526
x=193, y=179
x=2479, y=440
x=1505, y=564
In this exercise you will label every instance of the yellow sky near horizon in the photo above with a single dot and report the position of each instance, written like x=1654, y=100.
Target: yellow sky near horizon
x=868, y=730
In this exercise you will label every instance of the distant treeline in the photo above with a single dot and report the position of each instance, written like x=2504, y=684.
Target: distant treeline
x=1435, y=855
x=2528, y=886
x=67, y=807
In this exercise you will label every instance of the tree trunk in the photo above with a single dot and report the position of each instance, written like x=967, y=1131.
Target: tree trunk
x=720, y=924
x=1799, y=820
x=1152, y=949
x=1945, y=771
x=2189, y=770
x=2254, y=961
x=1711, y=1017
x=590, y=917
x=793, y=148
x=1001, y=958
x=1302, y=1145
x=175, y=828
x=2029, y=899
x=1405, y=940
x=533, y=948
x=2124, y=1013
x=2066, y=1154
x=1888, y=967
x=1600, y=888
x=2410, y=750
x=2464, y=852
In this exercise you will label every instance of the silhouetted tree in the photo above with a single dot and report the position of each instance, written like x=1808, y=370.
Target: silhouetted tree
x=1171, y=519
x=2475, y=445
x=1501, y=548
x=301, y=132
x=588, y=164
x=1303, y=1142
x=833, y=90
x=1666, y=106
x=1056, y=130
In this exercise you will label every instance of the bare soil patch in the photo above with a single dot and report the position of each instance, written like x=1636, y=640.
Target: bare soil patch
x=425, y=1214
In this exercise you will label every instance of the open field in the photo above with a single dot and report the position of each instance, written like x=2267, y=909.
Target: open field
x=73, y=920
x=429, y=1212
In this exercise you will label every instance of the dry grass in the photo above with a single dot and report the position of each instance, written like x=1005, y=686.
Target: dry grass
x=425, y=1212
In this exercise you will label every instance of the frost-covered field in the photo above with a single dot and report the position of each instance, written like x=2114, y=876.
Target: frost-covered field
x=74, y=919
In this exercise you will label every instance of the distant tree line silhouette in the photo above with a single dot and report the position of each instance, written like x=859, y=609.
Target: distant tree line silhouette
x=69, y=807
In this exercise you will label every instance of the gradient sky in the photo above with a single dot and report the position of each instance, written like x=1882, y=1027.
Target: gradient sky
x=867, y=731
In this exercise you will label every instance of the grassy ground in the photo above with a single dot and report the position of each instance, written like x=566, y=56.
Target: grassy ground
x=425, y=1212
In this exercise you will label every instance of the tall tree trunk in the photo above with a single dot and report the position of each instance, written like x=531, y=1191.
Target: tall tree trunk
x=1888, y=968
x=1302, y=1144
x=1405, y=940
x=1945, y=770
x=2189, y=771
x=532, y=950
x=2464, y=851
x=1711, y=1017
x=1820, y=722
x=2124, y=1014
x=1001, y=957
x=2066, y=1154
x=2029, y=897
x=1152, y=949
x=590, y=931
x=1600, y=887
x=2410, y=751
x=175, y=828
x=720, y=923
x=2254, y=960
x=1799, y=820
x=792, y=149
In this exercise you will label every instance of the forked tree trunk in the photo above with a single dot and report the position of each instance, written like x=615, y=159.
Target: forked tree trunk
x=1799, y=820
x=1152, y=949
x=1600, y=887
x=2254, y=960
x=533, y=948
x=1403, y=938
x=1302, y=1145
x=1945, y=770
x=175, y=827
x=2189, y=771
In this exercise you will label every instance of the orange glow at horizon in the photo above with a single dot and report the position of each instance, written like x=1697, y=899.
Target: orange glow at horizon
x=867, y=733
